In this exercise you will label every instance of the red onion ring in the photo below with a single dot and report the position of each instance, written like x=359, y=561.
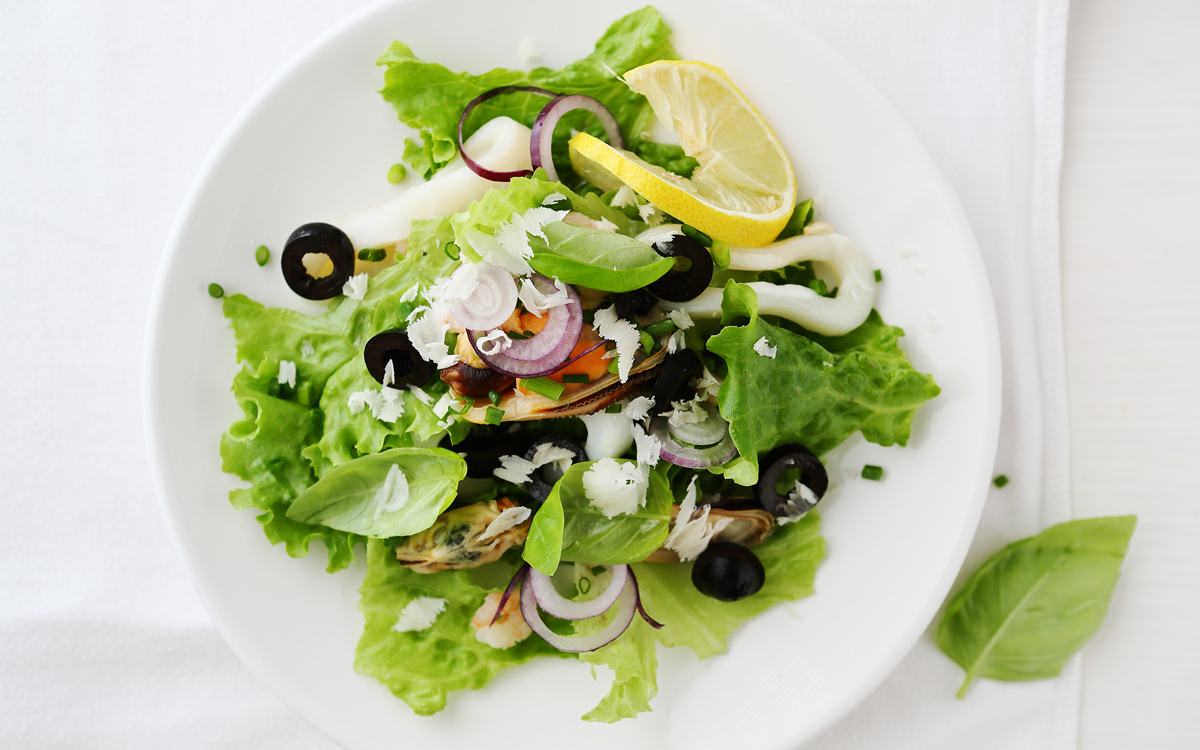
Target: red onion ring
x=543, y=128
x=626, y=609
x=691, y=458
x=642, y=610
x=558, y=605
x=475, y=166
x=547, y=351
x=508, y=591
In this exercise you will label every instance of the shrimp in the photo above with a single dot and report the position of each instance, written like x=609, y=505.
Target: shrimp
x=508, y=630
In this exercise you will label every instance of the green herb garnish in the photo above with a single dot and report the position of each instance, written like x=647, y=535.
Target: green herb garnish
x=493, y=415
x=544, y=387
x=1000, y=481
x=874, y=473
x=262, y=255
x=576, y=377
x=397, y=173
x=215, y=291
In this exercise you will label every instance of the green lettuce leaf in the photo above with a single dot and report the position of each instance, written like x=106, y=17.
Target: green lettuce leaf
x=356, y=497
x=633, y=659
x=821, y=397
x=790, y=557
x=597, y=259
x=263, y=448
x=1033, y=604
x=587, y=535
x=421, y=667
x=431, y=98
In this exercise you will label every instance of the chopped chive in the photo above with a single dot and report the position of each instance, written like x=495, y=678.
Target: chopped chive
x=819, y=286
x=576, y=377
x=544, y=387
x=452, y=250
x=647, y=341
x=661, y=328
x=878, y=275
x=612, y=409
x=589, y=316
x=372, y=254
x=494, y=398
x=697, y=235
x=1000, y=481
x=397, y=173
x=613, y=368
x=518, y=335
x=874, y=473
x=215, y=291
x=262, y=255
x=493, y=415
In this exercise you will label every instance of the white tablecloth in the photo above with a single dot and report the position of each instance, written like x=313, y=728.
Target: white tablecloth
x=108, y=110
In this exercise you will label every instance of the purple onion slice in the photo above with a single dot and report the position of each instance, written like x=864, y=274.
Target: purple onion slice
x=558, y=605
x=508, y=591
x=543, y=128
x=642, y=610
x=626, y=610
x=687, y=457
x=712, y=430
x=475, y=166
x=546, y=352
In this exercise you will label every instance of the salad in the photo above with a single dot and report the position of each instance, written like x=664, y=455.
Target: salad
x=572, y=391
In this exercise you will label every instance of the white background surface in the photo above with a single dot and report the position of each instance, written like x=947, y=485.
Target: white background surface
x=101, y=132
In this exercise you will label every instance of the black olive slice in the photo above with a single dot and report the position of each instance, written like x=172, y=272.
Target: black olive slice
x=317, y=239
x=634, y=304
x=681, y=286
x=812, y=475
x=408, y=368
x=673, y=382
x=728, y=572
x=537, y=486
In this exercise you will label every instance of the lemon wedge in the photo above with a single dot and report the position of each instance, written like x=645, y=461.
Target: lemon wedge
x=744, y=190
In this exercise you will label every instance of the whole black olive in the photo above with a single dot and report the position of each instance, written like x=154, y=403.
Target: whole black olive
x=673, y=382
x=812, y=475
x=681, y=286
x=634, y=304
x=317, y=239
x=728, y=572
x=538, y=487
x=408, y=367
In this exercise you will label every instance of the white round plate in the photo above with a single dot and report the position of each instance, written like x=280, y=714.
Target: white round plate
x=317, y=140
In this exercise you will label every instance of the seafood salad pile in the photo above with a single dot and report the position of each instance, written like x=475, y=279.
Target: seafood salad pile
x=573, y=389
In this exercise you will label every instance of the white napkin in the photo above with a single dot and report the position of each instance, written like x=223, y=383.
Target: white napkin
x=103, y=642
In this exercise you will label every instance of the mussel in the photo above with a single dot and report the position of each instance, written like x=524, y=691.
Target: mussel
x=738, y=522
x=453, y=540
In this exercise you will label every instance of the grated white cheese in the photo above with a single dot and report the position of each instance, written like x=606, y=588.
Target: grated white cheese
x=707, y=386
x=419, y=614
x=553, y=198
x=356, y=286
x=389, y=374
x=624, y=197
x=513, y=235
x=392, y=406
x=306, y=349
x=393, y=495
x=410, y=294
x=764, y=348
x=421, y=395
x=529, y=52
x=687, y=412
x=493, y=342
x=552, y=454
x=607, y=226
x=650, y=214
x=538, y=303
x=802, y=492
x=691, y=533
x=621, y=332
x=360, y=399
x=615, y=488
x=681, y=319
x=507, y=519
x=428, y=336
x=675, y=343
x=514, y=469
x=287, y=373
x=490, y=248
x=638, y=409
x=648, y=446
x=443, y=405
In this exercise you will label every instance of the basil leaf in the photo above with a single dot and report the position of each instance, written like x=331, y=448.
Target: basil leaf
x=1032, y=605
x=355, y=496
x=597, y=259
x=590, y=537
x=544, y=543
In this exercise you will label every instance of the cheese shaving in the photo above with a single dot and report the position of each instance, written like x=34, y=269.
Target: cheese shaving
x=638, y=409
x=493, y=342
x=287, y=373
x=687, y=412
x=356, y=286
x=410, y=294
x=514, y=469
x=306, y=348
x=538, y=303
x=707, y=386
x=428, y=336
x=389, y=373
x=764, y=348
x=691, y=533
x=624, y=197
x=506, y=520
x=623, y=333
x=681, y=319
x=615, y=488
x=648, y=446
x=393, y=495
x=419, y=614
